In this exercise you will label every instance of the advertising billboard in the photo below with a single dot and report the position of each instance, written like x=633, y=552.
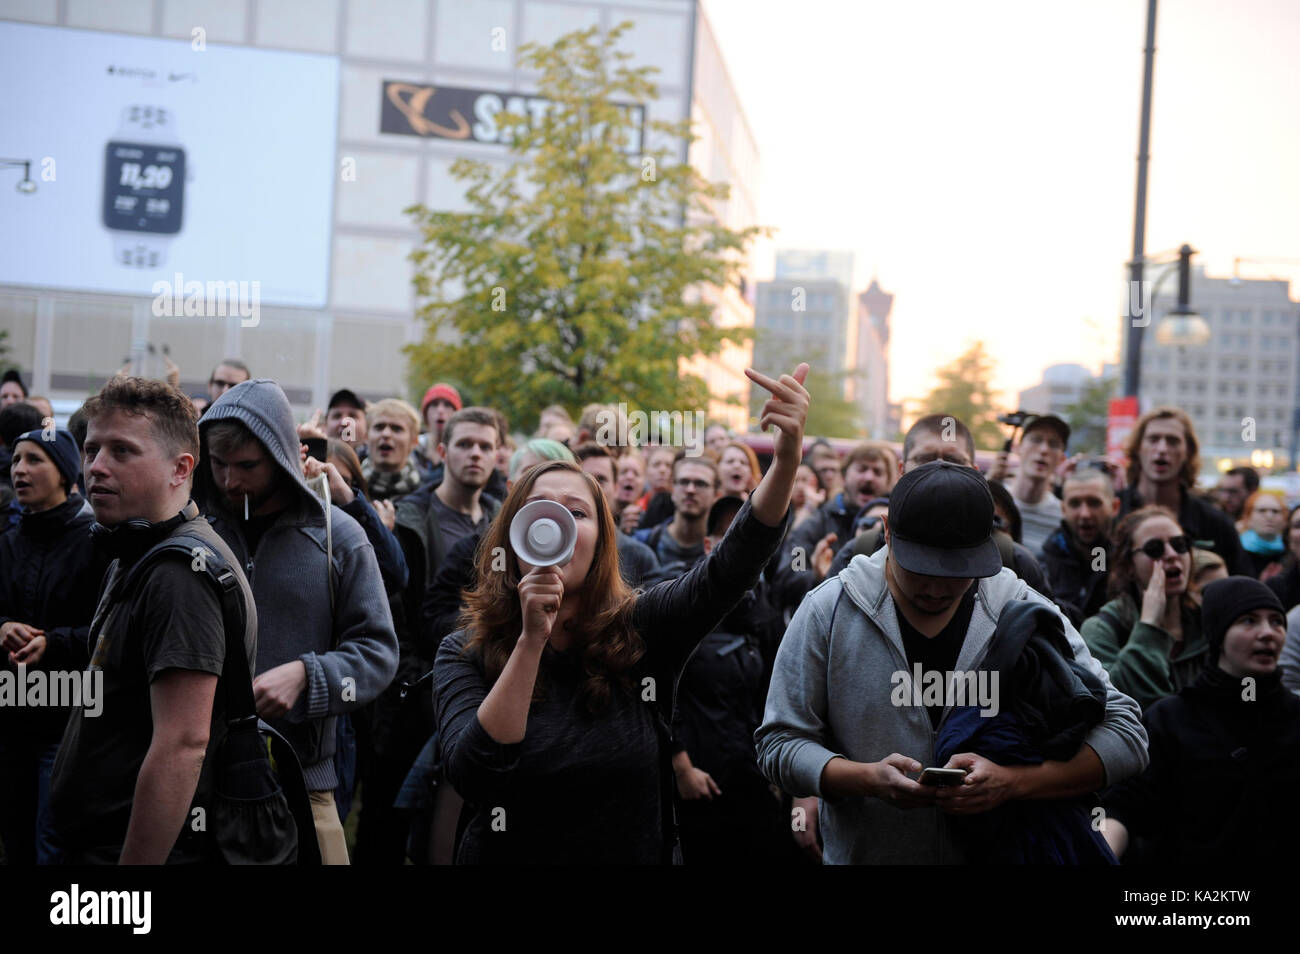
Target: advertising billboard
x=179, y=162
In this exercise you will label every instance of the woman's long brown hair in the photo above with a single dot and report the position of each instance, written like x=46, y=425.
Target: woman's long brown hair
x=493, y=619
x=1123, y=573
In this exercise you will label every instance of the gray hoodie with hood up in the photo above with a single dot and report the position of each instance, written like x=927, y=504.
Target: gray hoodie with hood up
x=350, y=653
x=832, y=694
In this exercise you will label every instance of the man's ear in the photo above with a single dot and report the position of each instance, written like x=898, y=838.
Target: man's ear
x=182, y=469
x=1114, y=507
x=708, y=545
x=884, y=523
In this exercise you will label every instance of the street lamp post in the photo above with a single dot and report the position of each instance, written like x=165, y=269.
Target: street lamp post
x=1133, y=353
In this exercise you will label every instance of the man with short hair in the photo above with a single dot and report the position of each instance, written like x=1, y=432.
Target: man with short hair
x=836, y=725
x=345, y=420
x=636, y=561
x=130, y=777
x=225, y=376
x=390, y=466
x=327, y=645
x=1041, y=448
x=1234, y=487
x=1077, y=555
x=679, y=542
x=1163, y=463
x=430, y=522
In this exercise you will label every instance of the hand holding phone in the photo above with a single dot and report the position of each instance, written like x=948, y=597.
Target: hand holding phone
x=942, y=776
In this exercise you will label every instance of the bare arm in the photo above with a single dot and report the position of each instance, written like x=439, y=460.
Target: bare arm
x=181, y=704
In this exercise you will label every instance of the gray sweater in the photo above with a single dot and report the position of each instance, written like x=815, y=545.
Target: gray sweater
x=350, y=653
x=831, y=695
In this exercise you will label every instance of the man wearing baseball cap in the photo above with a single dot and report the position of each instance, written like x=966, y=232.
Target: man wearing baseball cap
x=345, y=419
x=836, y=725
x=1041, y=449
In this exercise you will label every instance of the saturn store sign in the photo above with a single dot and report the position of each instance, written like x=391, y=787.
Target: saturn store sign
x=450, y=112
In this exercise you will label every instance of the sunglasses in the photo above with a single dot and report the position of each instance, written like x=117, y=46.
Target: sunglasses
x=1155, y=547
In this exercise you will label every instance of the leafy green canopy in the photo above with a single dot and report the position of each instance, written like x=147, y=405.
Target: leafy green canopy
x=579, y=272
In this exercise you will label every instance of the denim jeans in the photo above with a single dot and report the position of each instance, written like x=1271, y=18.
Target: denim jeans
x=26, y=826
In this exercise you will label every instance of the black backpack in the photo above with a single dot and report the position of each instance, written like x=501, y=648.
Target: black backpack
x=260, y=811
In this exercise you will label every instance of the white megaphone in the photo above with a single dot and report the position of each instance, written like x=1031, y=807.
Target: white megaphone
x=544, y=533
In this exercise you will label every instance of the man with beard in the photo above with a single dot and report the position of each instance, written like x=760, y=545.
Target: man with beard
x=326, y=644
x=869, y=471
x=1234, y=487
x=679, y=542
x=1163, y=463
x=1077, y=555
x=926, y=605
x=389, y=468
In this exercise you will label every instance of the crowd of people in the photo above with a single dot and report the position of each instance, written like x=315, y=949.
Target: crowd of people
x=867, y=657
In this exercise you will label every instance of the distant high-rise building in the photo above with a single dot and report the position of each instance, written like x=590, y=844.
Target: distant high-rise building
x=1241, y=384
x=804, y=314
x=869, y=387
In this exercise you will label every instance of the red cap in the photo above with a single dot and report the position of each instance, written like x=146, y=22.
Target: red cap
x=440, y=390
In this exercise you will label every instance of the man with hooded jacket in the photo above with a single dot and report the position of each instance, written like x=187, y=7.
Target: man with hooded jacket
x=846, y=717
x=326, y=644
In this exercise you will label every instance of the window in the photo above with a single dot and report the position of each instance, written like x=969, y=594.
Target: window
x=1266, y=317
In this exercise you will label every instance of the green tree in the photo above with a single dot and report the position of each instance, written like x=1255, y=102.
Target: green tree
x=1089, y=415
x=965, y=390
x=578, y=272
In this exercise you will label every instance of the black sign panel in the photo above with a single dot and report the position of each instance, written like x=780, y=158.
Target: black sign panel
x=451, y=112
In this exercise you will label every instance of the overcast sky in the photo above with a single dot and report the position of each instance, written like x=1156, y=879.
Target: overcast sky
x=980, y=157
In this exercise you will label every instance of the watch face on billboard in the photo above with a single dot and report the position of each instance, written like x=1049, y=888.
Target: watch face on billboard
x=144, y=186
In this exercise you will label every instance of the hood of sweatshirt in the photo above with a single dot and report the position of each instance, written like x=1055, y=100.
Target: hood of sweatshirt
x=261, y=406
x=864, y=583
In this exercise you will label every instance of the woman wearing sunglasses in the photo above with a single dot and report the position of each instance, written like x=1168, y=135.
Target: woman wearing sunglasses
x=1148, y=637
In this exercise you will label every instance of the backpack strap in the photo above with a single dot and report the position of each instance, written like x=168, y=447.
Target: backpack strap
x=236, y=683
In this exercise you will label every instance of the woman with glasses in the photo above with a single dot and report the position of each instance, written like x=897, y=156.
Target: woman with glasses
x=1148, y=637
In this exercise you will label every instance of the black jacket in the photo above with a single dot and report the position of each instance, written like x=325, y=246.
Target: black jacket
x=1286, y=585
x=794, y=575
x=1208, y=526
x=1220, y=787
x=49, y=578
x=1078, y=589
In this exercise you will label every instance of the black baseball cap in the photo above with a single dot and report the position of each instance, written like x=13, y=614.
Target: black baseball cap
x=347, y=398
x=723, y=510
x=941, y=522
x=1050, y=421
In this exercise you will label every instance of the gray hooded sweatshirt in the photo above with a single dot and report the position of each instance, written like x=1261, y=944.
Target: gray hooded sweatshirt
x=831, y=696
x=350, y=653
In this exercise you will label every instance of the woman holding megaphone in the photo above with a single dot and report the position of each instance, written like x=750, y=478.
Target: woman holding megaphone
x=552, y=698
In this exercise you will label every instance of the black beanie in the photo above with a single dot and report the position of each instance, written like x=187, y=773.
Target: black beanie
x=1225, y=601
x=62, y=450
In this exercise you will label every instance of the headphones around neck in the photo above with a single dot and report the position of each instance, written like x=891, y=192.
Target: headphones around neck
x=133, y=537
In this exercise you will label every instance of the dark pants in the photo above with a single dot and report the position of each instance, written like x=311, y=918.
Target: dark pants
x=383, y=829
x=745, y=825
x=26, y=827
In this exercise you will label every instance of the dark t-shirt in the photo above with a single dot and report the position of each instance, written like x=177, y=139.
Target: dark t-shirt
x=454, y=525
x=938, y=654
x=174, y=621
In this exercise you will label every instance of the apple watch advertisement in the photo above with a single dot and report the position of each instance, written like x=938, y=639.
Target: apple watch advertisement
x=155, y=157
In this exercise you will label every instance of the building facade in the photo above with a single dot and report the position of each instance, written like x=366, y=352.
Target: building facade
x=68, y=341
x=1240, y=389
